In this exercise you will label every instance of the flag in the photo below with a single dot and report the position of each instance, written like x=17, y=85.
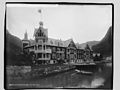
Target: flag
x=39, y=10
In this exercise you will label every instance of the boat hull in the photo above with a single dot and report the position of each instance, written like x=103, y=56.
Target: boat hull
x=89, y=68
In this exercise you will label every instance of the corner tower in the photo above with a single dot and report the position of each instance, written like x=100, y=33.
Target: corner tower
x=25, y=41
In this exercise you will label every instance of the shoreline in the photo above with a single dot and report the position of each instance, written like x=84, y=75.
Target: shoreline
x=37, y=80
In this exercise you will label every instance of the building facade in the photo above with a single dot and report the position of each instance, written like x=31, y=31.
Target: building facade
x=49, y=51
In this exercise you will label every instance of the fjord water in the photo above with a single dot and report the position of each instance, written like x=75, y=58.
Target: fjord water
x=74, y=78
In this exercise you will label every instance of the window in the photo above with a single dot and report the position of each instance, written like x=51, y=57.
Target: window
x=47, y=55
x=51, y=42
x=40, y=41
x=35, y=47
x=63, y=50
x=68, y=56
x=58, y=49
x=53, y=55
x=25, y=44
x=43, y=40
x=40, y=47
x=40, y=33
x=54, y=49
x=68, y=50
x=58, y=55
x=75, y=56
x=43, y=55
x=58, y=43
x=61, y=44
x=44, y=47
x=63, y=56
x=39, y=55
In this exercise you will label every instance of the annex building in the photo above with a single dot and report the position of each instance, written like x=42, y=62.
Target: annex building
x=46, y=50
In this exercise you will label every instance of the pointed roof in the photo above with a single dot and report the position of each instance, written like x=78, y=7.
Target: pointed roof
x=59, y=42
x=26, y=36
x=87, y=47
x=78, y=46
x=55, y=42
x=41, y=28
x=67, y=42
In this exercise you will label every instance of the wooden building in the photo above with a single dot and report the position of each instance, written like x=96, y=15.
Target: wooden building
x=49, y=51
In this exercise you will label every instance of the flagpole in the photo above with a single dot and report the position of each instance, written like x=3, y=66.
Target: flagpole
x=40, y=11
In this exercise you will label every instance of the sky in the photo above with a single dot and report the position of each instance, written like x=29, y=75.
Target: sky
x=82, y=23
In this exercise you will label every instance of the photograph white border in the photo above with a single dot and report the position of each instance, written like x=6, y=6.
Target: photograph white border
x=116, y=79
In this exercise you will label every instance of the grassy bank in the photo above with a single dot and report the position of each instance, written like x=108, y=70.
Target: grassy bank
x=17, y=76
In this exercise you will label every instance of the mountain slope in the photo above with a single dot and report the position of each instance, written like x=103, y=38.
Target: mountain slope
x=105, y=45
x=90, y=43
x=13, y=48
x=13, y=51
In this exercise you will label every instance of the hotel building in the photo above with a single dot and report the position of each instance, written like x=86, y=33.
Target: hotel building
x=49, y=51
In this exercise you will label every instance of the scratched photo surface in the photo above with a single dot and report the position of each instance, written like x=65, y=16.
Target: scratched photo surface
x=58, y=46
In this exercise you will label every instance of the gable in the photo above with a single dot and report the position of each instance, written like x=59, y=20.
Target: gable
x=72, y=44
x=87, y=47
x=41, y=32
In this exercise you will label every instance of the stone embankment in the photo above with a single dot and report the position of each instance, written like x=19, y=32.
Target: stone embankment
x=36, y=71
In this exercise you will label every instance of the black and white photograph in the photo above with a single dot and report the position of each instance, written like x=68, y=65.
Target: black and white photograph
x=59, y=45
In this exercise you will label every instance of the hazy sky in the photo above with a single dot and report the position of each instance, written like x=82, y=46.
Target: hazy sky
x=82, y=23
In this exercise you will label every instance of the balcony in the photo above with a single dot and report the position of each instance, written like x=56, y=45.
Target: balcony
x=60, y=51
x=43, y=59
x=31, y=50
x=43, y=51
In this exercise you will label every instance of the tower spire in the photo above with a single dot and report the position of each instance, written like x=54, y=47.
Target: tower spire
x=26, y=35
x=87, y=47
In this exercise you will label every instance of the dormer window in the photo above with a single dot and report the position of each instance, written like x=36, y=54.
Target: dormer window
x=51, y=42
x=40, y=33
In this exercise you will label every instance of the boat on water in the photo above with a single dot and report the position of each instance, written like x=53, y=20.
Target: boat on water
x=87, y=67
x=84, y=72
